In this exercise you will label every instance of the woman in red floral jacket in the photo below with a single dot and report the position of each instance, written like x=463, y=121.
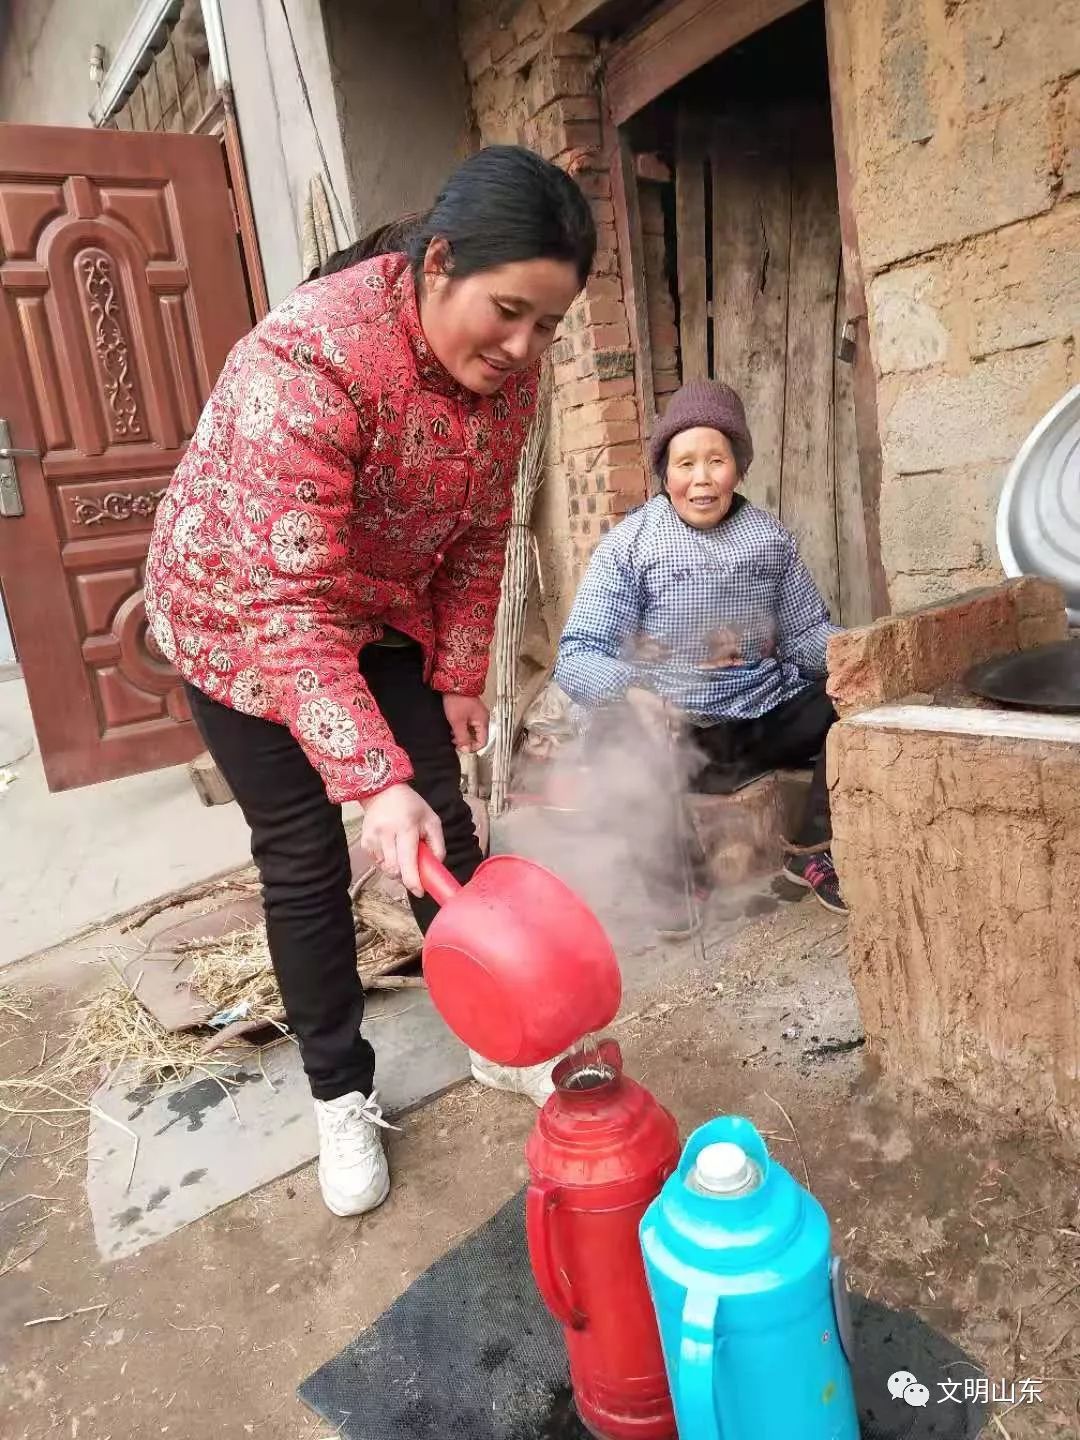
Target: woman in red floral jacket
x=325, y=571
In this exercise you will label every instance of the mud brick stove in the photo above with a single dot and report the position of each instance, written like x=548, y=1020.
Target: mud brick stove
x=957, y=839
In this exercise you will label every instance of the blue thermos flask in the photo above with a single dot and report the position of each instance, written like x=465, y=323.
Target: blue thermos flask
x=752, y=1306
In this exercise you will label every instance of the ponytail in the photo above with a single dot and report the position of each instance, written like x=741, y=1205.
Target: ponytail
x=388, y=239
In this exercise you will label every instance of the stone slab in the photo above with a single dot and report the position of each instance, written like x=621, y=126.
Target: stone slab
x=195, y=1156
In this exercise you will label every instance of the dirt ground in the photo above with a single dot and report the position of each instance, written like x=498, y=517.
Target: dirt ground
x=210, y=1331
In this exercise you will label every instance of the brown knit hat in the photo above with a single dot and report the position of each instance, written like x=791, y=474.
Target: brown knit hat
x=703, y=402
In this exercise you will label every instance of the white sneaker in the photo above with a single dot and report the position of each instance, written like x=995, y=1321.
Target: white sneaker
x=353, y=1174
x=532, y=1080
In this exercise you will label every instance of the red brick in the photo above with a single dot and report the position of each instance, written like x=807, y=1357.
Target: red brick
x=594, y=184
x=602, y=312
x=606, y=261
x=603, y=287
x=585, y=392
x=562, y=352
x=571, y=107
x=559, y=139
x=603, y=212
x=608, y=432
x=620, y=407
x=609, y=337
x=616, y=456
x=580, y=367
x=614, y=364
x=626, y=480
x=552, y=79
x=619, y=505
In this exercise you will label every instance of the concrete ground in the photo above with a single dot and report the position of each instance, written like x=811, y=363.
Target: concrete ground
x=78, y=858
x=209, y=1331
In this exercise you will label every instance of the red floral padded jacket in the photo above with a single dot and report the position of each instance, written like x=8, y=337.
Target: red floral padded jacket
x=339, y=481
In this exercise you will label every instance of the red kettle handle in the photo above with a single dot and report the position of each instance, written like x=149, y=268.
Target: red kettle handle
x=434, y=876
x=540, y=1200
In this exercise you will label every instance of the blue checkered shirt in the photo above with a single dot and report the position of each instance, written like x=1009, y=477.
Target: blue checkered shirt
x=668, y=607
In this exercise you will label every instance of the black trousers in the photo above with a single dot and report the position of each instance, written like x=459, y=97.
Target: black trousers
x=791, y=735
x=298, y=844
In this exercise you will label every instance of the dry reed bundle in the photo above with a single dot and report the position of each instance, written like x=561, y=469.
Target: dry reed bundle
x=227, y=971
x=521, y=567
x=235, y=969
x=116, y=1031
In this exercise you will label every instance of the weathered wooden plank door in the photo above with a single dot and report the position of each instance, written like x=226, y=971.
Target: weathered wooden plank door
x=121, y=293
x=760, y=302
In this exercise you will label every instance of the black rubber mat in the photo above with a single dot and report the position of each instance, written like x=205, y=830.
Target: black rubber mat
x=469, y=1351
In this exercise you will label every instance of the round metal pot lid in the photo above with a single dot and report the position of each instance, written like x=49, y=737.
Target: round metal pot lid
x=1038, y=520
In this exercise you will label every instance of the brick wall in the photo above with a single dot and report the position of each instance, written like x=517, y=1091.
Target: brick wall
x=963, y=125
x=533, y=85
x=962, y=122
x=178, y=88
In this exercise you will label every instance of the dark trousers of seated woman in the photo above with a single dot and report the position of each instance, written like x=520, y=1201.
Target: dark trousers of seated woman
x=789, y=737
x=299, y=847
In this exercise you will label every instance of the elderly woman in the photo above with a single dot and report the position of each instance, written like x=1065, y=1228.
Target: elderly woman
x=699, y=602
x=325, y=571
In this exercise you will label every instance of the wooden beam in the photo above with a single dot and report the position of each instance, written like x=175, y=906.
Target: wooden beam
x=597, y=15
x=683, y=36
x=630, y=239
x=690, y=223
x=245, y=214
x=808, y=481
x=751, y=226
x=863, y=380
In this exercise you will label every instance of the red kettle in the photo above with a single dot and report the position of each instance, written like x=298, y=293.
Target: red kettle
x=517, y=965
x=598, y=1156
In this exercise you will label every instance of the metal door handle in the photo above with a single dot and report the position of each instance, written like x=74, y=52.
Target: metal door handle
x=11, y=501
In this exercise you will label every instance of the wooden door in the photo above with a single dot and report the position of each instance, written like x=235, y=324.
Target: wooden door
x=121, y=293
x=761, y=304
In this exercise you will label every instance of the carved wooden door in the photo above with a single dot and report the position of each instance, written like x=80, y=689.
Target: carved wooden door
x=121, y=293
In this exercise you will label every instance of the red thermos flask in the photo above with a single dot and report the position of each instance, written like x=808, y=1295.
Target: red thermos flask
x=601, y=1149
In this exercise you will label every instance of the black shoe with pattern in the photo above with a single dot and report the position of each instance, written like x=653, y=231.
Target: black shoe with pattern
x=817, y=873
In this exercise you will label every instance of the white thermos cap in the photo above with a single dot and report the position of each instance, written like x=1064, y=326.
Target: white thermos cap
x=724, y=1169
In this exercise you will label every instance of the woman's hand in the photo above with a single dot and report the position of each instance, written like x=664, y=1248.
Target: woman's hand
x=395, y=821
x=654, y=713
x=468, y=717
x=725, y=649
